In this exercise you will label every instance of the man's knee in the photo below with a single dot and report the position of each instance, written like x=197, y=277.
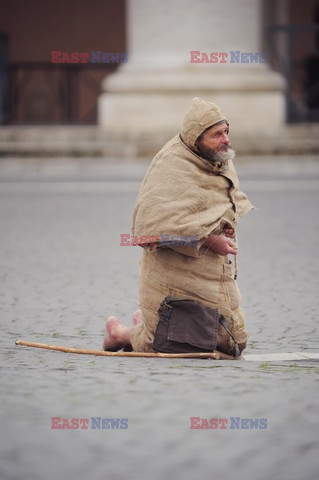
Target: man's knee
x=237, y=327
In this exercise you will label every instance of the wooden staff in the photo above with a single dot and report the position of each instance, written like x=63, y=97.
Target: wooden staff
x=101, y=353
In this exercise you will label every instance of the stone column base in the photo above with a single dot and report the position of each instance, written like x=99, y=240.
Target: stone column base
x=137, y=103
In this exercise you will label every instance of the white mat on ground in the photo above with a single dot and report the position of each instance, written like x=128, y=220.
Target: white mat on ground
x=273, y=357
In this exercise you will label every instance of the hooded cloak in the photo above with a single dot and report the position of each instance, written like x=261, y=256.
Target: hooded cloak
x=182, y=194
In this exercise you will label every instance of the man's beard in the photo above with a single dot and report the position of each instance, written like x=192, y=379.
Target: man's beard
x=219, y=159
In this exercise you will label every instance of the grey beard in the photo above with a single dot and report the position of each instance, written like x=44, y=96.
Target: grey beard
x=219, y=159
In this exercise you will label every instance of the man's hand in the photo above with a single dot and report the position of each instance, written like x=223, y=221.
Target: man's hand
x=221, y=244
x=229, y=232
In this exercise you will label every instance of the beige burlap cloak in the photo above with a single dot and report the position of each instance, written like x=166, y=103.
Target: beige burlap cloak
x=183, y=194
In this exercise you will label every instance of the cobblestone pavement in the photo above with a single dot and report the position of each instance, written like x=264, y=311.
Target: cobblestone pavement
x=63, y=271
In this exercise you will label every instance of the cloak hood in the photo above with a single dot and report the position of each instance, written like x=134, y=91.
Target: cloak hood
x=200, y=116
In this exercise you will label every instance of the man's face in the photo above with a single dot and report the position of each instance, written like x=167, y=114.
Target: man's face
x=214, y=144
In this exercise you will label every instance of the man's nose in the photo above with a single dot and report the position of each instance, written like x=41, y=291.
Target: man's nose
x=225, y=139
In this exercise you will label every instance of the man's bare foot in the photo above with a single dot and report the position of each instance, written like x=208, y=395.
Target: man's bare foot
x=116, y=335
x=137, y=317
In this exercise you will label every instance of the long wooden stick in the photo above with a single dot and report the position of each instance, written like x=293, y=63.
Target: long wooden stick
x=100, y=353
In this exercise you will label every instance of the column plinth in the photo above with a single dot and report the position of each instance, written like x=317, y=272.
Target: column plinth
x=150, y=94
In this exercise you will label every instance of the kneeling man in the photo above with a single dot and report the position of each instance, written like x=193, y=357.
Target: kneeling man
x=190, y=191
